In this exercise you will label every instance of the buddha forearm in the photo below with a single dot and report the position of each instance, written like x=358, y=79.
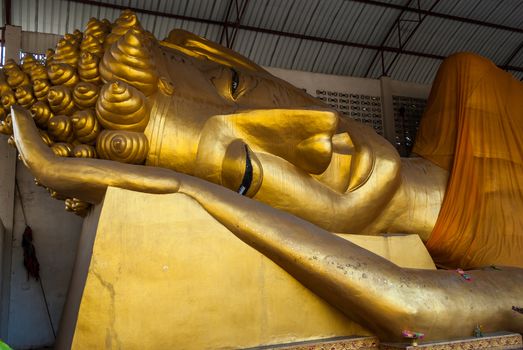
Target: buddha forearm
x=366, y=287
x=383, y=297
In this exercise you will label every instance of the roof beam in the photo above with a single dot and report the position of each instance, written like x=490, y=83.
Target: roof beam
x=389, y=32
x=225, y=32
x=239, y=10
x=7, y=12
x=276, y=32
x=512, y=55
x=409, y=36
x=440, y=15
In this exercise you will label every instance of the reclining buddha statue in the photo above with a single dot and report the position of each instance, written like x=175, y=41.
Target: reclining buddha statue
x=113, y=106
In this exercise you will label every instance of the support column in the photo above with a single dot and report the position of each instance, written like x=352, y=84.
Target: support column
x=7, y=193
x=387, y=109
x=13, y=42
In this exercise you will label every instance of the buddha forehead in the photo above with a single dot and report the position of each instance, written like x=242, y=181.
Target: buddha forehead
x=228, y=85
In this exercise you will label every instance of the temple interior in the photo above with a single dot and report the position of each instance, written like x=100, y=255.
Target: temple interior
x=261, y=174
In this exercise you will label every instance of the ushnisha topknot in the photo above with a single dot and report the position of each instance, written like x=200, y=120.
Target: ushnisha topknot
x=120, y=106
x=92, y=45
x=24, y=96
x=126, y=21
x=41, y=113
x=62, y=74
x=86, y=127
x=61, y=100
x=41, y=89
x=88, y=68
x=97, y=29
x=80, y=89
x=130, y=60
x=66, y=52
x=85, y=95
x=122, y=146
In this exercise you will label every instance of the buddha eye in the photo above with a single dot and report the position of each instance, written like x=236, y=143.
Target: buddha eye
x=229, y=83
x=235, y=82
x=247, y=176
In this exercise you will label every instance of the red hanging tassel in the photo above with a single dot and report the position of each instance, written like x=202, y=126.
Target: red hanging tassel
x=30, y=261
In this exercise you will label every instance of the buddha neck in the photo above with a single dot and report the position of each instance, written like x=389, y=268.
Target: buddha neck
x=415, y=207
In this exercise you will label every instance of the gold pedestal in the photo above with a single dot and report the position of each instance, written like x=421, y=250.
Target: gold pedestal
x=164, y=274
x=340, y=343
x=492, y=341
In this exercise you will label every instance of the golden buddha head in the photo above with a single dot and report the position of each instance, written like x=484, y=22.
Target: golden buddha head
x=196, y=107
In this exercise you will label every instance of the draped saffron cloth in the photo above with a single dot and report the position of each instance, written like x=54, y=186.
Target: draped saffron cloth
x=473, y=127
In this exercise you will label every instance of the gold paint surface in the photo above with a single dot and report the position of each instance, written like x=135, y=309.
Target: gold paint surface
x=377, y=293
x=191, y=300
x=122, y=146
x=192, y=110
x=122, y=107
x=86, y=126
x=403, y=250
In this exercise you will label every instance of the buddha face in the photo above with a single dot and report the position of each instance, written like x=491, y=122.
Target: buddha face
x=264, y=138
x=198, y=108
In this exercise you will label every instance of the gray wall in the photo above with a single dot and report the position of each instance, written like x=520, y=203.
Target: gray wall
x=56, y=233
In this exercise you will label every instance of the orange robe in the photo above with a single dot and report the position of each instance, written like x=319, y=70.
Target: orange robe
x=473, y=127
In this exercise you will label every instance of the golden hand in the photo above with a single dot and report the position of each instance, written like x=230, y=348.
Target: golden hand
x=82, y=178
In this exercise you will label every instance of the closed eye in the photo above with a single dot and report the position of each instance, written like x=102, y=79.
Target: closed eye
x=230, y=83
x=235, y=83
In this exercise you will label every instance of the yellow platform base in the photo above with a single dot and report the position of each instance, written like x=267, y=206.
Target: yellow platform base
x=164, y=274
x=340, y=343
x=492, y=341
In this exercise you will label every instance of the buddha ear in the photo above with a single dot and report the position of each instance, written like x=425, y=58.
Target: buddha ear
x=301, y=136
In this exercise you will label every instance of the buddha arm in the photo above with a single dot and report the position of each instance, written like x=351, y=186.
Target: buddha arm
x=369, y=289
x=383, y=297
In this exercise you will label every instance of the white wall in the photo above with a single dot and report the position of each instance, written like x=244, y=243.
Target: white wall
x=24, y=322
x=404, y=88
x=38, y=42
x=314, y=81
x=384, y=87
x=56, y=233
x=7, y=190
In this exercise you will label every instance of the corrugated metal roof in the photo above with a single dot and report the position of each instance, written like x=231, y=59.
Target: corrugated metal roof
x=360, y=22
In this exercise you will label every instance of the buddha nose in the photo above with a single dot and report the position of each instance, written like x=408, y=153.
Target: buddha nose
x=314, y=153
x=303, y=137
